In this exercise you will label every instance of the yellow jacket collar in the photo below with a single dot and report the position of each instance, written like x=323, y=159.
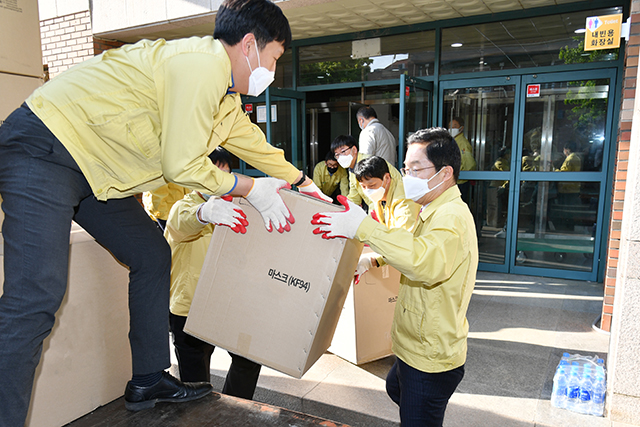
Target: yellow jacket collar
x=449, y=195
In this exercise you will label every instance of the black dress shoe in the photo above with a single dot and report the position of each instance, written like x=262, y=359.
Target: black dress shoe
x=168, y=389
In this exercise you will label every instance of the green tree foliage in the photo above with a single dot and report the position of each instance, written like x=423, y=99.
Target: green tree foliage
x=589, y=109
x=327, y=72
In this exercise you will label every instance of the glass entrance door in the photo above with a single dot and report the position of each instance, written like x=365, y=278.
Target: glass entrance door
x=564, y=140
x=416, y=105
x=279, y=113
x=402, y=106
x=484, y=110
x=540, y=144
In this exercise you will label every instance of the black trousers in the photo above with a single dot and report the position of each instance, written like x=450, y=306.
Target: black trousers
x=43, y=189
x=194, y=359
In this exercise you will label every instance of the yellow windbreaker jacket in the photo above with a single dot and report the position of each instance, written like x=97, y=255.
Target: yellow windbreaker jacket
x=189, y=240
x=140, y=116
x=356, y=193
x=158, y=202
x=438, y=262
x=328, y=183
x=467, y=161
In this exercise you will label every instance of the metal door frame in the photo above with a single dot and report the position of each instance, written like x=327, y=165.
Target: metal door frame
x=406, y=83
x=298, y=106
x=492, y=175
x=403, y=82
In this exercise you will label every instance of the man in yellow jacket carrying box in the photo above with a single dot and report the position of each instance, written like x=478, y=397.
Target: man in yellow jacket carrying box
x=127, y=121
x=438, y=262
x=189, y=230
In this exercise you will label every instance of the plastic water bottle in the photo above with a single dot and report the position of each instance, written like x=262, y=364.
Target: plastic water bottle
x=573, y=390
x=559, y=392
x=599, y=391
x=586, y=391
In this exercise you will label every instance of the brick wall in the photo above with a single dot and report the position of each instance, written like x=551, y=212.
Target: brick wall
x=66, y=40
x=621, y=162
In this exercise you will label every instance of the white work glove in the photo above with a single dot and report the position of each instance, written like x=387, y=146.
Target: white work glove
x=365, y=263
x=339, y=224
x=313, y=191
x=221, y=212
x=265, y=197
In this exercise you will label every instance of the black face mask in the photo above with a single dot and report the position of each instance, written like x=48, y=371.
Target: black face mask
x=332, y=170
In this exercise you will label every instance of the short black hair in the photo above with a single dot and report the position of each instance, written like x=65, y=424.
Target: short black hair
x=341, y=141
x=441, y=149
x=221, y=156
x=458, y=119
x=330, y=156
x=367, y=112
x=571, y=146
x=371, y=167
x=262, y=18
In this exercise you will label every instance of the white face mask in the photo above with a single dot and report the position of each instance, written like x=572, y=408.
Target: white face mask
x=345, y=161
x=375, y=195
x=454, y=132
x=416, y=188
x=260, y=78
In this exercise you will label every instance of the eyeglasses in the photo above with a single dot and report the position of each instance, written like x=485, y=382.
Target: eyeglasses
x=341, y=153
x=414, y=172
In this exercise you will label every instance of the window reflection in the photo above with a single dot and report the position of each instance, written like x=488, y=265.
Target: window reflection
x=487, y=114
x=557, y=224
x=521, y=43
x=488, y=201
x=564, y=127
x=412, y=54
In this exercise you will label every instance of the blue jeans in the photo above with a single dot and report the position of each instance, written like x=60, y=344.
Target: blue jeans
x=43, y=189
x=421, y=396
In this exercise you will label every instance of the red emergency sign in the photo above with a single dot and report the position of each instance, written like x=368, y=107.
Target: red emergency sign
x=248, y=108
x=533, y=90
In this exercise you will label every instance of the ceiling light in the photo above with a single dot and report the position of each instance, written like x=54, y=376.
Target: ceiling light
x=456, y=44
x=580, y=30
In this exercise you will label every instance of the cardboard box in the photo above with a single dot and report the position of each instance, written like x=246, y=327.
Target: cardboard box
x=20, y=45
x=86, y=360
x=14, y=90
x=364, y=330
x=274, y=298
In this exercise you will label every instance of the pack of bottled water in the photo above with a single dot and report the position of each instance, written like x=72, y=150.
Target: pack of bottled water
x=579, y=384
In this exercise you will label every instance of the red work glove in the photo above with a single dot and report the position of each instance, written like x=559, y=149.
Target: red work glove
x=265, y=197
x=313, y=191
x=339, y=224
x=221, y=212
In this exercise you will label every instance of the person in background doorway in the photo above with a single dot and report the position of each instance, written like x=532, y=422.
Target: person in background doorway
x=331, y=178
x=85, y=143
x=373, y=175
x=189, y=229
x=438, y=262
x=346, y=152
x=499, y=191
x=456, y=129
x=568, y=200
x=375, y=139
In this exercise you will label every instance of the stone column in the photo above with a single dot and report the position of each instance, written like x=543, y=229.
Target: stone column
x=623, y=397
